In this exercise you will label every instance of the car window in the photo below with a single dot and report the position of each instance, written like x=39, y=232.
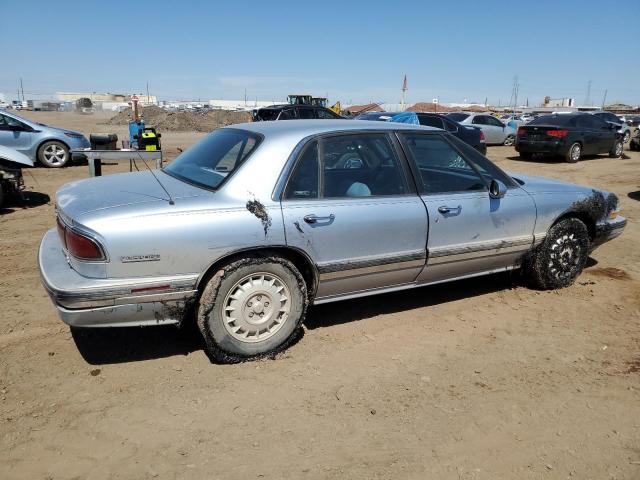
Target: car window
x=306, y=113
x=304, y=181
x=430, y=121
x=361, y=165
x=588, y=121
x=493, y=121
x=442, y=169
x=478, y=121
x=450, y=126
x=8, y=122
x=486, y=168
x=457, y=116
x=324, y=114
x=215, y=157
x=288, y=114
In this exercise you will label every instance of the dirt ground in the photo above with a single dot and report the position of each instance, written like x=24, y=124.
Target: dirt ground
x=479, y=379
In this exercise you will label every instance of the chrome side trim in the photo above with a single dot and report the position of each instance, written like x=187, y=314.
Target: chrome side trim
x=407, y=286
x=352, y=268
x=441, y=255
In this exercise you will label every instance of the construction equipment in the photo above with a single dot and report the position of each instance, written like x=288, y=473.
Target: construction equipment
x=304, y=99
x=149, y=139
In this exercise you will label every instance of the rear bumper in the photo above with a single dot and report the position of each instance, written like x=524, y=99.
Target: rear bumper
x=608, y=231
x=101, y=302
x=549, y=147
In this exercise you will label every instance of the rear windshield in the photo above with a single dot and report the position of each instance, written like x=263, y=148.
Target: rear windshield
x=457, y=117
x=559, y=120
x=215, y=157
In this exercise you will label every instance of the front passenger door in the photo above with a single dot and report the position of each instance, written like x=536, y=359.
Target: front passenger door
x=469, y=232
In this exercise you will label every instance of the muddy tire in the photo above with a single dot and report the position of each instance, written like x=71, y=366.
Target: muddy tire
x=53, y=154
x=252, y=308
x=616, y=150
x=558, y=261
x=2, y=194
x=574, y=153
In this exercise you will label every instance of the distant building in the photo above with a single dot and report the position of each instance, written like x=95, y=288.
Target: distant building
x=559, y=102
x=105, y=100
x=219, y=104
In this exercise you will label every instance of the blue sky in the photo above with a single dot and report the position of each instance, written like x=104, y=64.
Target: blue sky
x=354, y=51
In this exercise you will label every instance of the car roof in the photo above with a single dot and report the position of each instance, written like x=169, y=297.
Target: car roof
x=305, y=128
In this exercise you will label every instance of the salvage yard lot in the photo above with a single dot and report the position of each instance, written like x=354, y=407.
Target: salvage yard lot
x=480, y=379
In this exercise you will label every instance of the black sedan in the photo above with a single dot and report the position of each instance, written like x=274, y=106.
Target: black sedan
x=570, y=135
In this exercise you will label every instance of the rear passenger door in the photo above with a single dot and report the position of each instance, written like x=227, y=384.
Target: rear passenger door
x=350, y=205
x=595, y=134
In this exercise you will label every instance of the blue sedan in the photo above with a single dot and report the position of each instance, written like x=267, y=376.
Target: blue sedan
x=48, y=145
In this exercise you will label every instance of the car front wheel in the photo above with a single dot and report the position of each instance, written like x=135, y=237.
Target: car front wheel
x=53, y=154
x=252, y=308
x=627, y=136
x=560, y=258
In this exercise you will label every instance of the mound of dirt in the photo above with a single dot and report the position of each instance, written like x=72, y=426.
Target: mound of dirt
x=182, y=121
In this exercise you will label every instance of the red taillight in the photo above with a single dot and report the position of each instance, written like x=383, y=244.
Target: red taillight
x=481, y=136
x=82, y=247
x=521, y=131
x=61, y=231
x=558, y=133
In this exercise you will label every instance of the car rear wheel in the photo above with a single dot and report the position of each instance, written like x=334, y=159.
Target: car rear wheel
x=252, y=308
x=574, y=153
x=510, y=140
x=560, y=258
x=616, y=151
x=53, y=154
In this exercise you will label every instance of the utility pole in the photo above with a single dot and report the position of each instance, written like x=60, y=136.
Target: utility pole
x=514, y=94
x=404, y=90
x=604, y=99
x=148, y=101
x=22, y=89
x=587, y=97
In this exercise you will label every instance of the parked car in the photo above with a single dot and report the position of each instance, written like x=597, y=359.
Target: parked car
x=11, y=164
x=293, y=112
x=495, y=132
x=633, y=121
x=470, y=135
x=634, y=144
x=623, y=129
x=257, y=221
x=48, y=145
x=380, y=116
x=570, y=135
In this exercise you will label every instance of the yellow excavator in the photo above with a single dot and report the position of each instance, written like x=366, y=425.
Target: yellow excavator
x=304, y=99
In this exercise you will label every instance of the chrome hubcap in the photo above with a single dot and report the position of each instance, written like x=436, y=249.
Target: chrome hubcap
x=54, y=154
x=618, y=149
x=256, y=307
x=575, y=152
x=565, y=256
x=509, y=140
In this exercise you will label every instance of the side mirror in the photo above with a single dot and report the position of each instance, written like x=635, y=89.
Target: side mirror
x=497, y=189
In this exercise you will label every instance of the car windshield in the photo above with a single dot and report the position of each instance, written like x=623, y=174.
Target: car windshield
x=458, y=117
x=557, y=120
x=215, y=157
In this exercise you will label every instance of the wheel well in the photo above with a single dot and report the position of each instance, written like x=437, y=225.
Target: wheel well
x=585, y=218
x=301, y=261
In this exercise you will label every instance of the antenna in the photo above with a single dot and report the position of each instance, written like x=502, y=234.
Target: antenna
x=171, y=202
x=587, y=97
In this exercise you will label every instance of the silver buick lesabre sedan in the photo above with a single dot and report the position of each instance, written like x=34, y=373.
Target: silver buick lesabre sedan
x=255, y=222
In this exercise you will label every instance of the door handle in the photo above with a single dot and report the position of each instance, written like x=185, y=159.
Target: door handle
x=443, y=209
x=315, y=219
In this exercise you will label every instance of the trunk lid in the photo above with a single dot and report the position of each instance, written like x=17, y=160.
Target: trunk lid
x=534, y=133
x=119, y=190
